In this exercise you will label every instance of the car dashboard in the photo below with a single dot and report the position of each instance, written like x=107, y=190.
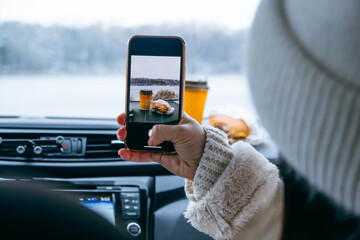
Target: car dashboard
x=78, y=157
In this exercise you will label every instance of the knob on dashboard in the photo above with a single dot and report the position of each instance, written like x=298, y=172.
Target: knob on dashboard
x=20, y=149
x=37, y=150
x=59, y=139
x=133, y=228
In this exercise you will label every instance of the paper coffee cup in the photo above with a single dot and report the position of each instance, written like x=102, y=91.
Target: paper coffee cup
x=145, y=99
x=195, y=98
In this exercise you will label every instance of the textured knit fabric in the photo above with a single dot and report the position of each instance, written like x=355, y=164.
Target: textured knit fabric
x=304, y=72
x=231, y=185
x=217, y=155
x=303, y=63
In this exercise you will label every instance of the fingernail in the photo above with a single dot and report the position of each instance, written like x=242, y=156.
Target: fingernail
x=125, y=155
x=151, y=142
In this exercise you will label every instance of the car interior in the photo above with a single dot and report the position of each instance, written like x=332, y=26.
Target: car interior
x=61, y=175
x=142, y=200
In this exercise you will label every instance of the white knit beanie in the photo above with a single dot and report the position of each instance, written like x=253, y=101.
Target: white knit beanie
x=304, y=73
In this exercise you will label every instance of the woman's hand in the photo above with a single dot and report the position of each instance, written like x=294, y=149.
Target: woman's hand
x=189, y=141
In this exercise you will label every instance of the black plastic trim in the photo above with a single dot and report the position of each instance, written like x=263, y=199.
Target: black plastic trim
x=9, y=169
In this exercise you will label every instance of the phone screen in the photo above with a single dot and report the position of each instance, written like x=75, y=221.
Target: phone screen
x=154, y=89
x=155, y=82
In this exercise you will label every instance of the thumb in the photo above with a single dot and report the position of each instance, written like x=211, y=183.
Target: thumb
x=161, y=133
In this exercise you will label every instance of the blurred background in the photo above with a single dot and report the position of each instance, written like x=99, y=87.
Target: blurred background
x=68, y=58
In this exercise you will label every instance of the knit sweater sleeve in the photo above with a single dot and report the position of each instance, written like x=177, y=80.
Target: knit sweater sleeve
x=231, y=185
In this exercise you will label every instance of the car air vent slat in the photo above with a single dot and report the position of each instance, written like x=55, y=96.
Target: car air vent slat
x=103, y=147
x=99, y=146
x=100, y=151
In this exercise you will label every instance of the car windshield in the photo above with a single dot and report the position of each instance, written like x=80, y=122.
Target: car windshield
x=68, y=58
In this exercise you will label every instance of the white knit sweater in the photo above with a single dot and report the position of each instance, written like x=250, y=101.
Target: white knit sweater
x=231, y=184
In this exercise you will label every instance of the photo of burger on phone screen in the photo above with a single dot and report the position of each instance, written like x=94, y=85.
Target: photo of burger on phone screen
x=154, y=89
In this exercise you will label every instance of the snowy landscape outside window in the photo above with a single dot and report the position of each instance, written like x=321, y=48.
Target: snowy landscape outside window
x=68, y=58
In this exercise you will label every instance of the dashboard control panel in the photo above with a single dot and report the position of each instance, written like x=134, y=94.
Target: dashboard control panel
x=44, y=146
x=123, y=206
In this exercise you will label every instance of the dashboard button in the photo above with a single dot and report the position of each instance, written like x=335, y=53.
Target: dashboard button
x=66, y=146
x=134, y=229
x=131, y=214
x=135, y=208
x=129, y=189
x=79, y=146
x=130, y=195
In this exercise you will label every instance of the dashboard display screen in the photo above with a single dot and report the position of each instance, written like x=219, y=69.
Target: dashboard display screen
x=101, y=205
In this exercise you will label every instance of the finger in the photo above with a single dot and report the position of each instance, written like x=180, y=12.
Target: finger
x=121, y=119
x=151, y=142
x=171, y=162
x=121, y=134
x=168, y=161
x=161, y=133
x=129, y=155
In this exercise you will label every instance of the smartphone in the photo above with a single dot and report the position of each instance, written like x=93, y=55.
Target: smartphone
x=154, y=88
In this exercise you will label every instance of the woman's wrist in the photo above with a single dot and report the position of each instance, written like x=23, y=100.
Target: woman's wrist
x=216, y=156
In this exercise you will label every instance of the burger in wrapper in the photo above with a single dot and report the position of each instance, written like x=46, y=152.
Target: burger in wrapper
x=236, y=129
x=162, y=107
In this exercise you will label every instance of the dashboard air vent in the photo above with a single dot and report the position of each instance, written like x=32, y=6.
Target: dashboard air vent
x=103, y=147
